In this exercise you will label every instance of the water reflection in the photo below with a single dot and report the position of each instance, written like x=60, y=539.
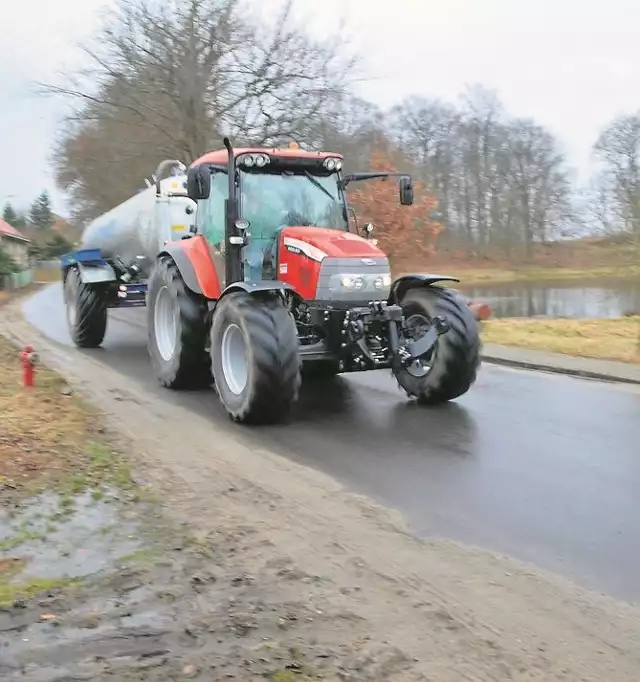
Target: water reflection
x=575, y=299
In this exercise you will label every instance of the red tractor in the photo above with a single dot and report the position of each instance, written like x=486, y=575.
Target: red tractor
x=275, y=281
x=256, y=278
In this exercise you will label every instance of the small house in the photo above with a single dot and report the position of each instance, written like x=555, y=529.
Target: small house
x=14, y=244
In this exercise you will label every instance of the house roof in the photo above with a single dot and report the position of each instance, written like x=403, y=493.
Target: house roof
x=7, y=230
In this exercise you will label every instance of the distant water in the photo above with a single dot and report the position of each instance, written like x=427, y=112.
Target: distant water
x=567, y=299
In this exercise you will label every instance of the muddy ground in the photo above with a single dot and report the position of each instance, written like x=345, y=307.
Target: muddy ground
x=101, y=592
x=97, y=582
x=222, y=560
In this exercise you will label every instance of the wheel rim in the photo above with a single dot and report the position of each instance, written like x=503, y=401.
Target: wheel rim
x=235, y=366
x=165, y=323
x=418, y=325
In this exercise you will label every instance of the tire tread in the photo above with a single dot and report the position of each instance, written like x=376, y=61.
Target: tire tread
x=91, y=314
x=273, y=345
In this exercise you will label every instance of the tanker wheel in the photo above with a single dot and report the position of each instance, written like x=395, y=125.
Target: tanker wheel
x=450, y=369
x=86, y=306
x=256, y=365
x=177, y=330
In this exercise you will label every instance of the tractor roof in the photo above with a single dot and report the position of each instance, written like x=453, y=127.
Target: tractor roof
x=220, y=156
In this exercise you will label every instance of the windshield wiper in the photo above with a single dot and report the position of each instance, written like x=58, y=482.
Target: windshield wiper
x=319, y=186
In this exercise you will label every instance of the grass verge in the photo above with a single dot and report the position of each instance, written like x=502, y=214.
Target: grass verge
x=9, y=296
x=604, y=339
x=49, y=438
x=50, y=441
x=47, y=275
x=471, y=276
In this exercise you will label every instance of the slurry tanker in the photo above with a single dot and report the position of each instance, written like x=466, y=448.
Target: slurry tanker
x=253, y=276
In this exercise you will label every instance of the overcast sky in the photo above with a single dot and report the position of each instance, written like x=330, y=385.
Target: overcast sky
x=570, y=64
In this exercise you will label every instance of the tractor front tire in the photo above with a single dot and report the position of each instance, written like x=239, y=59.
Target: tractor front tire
x=86, y=306
x=452, y=368
x=255, y=359
x=177, y=330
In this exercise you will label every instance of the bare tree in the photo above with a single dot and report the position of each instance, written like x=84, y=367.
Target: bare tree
x=501, y=183
x=169, y=79
x=600, y=209
x=618, y=147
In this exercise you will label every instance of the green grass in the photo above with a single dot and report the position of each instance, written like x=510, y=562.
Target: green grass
x=10, y=592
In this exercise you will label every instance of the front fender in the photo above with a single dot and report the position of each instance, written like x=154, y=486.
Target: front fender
x=253, y=288
x=257, y=287
x=401, y=285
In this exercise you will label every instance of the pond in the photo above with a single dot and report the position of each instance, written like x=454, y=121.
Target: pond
x=590, y=298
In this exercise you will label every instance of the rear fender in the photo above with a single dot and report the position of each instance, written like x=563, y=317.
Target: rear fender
x=92, y=267
x=193, y=260
x=401, y=285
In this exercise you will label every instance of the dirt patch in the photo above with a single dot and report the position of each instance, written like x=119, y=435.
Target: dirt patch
x=109, y=594
x=286, y=576
x=605, y=339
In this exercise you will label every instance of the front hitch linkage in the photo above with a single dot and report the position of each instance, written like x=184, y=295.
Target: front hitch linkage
x=412, y=350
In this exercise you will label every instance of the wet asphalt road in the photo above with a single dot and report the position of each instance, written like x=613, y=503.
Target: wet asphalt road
x=541, y=467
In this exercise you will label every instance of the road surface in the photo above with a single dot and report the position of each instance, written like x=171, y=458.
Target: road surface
x=542, y=467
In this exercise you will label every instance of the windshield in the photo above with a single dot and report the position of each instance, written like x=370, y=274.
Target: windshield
x=274, y=200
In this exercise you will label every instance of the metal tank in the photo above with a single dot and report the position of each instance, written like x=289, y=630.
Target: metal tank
x=141, y=225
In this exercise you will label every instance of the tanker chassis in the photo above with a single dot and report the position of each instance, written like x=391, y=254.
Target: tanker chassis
x=253, y=276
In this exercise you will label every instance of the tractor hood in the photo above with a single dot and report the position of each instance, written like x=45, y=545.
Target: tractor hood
x=334, y=243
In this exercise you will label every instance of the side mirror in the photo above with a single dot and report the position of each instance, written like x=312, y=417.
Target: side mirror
x=199, y=182
x=406, y=191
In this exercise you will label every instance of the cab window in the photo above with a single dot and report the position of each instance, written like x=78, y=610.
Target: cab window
x=211, y=211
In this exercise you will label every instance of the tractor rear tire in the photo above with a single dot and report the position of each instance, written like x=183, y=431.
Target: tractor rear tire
x=255, y=359
x=86, y=311
x=177, y=330
x=455, y=359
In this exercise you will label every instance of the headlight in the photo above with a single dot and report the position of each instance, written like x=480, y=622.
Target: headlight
x=351, y=282
x=250, y=160
x=383, y=282
x=332, y=164
x=365, y=282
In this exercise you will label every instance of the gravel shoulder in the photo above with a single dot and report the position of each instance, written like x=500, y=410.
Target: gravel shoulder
x=328, y=584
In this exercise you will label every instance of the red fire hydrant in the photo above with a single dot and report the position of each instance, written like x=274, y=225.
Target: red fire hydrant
x=28, y=360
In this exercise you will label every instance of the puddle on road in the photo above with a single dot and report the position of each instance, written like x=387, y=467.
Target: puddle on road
x=67, y=537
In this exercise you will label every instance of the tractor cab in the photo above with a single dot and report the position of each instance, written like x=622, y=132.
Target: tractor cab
x=248, y=198
x=272, y=189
